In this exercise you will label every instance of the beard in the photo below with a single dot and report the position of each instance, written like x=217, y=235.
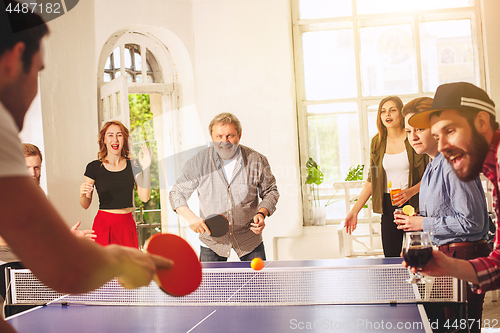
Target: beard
x=476, y=154
x=226, y=150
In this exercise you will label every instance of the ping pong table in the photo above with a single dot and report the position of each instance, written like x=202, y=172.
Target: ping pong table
x=345, y=295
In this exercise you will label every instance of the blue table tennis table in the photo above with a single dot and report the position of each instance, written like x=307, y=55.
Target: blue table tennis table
x=347, y=295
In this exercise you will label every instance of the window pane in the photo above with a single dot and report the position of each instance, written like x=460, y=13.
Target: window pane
x=138, y=62
x=372, y=111
x=334, y=139
x=138, y=78
x=116, y=58
x=108, y=63
x=328, y=56
x=152, y=67
x=439, y=4
x=107, y=77
x=128, y=58
x=391, y=6
x=447, y=53
x=388, y=64
x=315, y=9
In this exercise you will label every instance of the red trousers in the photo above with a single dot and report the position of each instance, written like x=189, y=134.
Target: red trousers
x=113, y=228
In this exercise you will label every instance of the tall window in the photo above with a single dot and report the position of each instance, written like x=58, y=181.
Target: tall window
x=349, y=54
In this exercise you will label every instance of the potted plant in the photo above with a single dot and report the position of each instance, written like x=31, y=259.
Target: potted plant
x=315, y=177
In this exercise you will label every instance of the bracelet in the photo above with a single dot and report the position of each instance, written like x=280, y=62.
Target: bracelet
x=261, y=214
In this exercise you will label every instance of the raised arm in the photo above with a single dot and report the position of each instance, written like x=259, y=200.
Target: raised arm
x=64, y=262
x=143, y=179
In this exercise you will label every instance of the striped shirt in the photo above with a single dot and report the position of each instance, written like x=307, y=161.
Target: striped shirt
x=237, y=199
x=488, y=268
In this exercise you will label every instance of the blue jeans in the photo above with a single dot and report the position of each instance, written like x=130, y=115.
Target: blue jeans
x=207, y=254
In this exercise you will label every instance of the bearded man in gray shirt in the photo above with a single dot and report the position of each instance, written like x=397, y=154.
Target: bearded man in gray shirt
x=229, y=179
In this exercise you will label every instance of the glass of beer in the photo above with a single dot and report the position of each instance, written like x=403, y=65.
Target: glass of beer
x=417, y=252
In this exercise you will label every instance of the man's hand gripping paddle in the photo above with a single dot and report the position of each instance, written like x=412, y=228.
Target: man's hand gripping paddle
x=184, y=276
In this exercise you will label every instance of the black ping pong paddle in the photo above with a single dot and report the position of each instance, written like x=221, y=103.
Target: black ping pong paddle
x=217, y=224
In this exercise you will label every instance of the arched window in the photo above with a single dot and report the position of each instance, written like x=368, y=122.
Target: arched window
x=133, y=62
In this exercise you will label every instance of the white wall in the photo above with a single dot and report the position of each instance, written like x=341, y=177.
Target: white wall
x=68, y=100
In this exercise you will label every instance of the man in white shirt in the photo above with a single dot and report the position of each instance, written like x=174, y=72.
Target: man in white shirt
x=29, y=223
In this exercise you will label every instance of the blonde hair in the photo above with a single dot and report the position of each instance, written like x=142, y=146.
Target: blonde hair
x=31, y=150
x=225, y=118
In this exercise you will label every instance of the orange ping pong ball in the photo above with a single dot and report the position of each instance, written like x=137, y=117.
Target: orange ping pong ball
x=257, y=264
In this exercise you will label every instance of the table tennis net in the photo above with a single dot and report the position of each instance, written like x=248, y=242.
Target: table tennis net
x=271, y=286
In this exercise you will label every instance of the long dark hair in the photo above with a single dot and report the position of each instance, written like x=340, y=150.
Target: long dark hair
x=382, y=130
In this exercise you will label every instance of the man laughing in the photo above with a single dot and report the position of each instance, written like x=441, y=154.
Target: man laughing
x=462, y=119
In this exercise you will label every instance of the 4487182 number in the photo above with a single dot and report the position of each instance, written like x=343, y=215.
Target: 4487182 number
x=33, y=7
x=462, y=323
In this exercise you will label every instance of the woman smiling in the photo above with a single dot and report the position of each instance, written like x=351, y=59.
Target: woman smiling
x=114, y=175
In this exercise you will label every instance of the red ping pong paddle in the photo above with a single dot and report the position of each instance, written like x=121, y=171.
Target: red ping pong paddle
x=184, y=276
x=217, y=224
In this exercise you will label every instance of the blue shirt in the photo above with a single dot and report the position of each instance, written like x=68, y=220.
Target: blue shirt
x=454, y=211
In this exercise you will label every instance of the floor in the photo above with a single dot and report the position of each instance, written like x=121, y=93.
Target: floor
x=491, y=312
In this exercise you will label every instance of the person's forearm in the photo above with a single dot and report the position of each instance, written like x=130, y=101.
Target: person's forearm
x=365, y=194
x=264, y=211
x=144, y=185
x=85, y=201
x=76, y=265
x=187, y=213
x=415, y=189
x=463, y=270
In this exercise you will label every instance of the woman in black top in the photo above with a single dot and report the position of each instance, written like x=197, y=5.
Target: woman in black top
x=114, y=175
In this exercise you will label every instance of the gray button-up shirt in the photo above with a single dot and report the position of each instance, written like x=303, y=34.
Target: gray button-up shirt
x=237, y=200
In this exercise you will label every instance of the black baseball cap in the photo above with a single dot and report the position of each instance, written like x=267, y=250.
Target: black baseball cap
x=455, y=96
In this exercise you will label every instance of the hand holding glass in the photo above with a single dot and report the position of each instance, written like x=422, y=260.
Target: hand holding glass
x=417, y=252
x=392, y=193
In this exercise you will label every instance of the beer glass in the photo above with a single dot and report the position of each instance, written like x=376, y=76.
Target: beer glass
x=417, y=252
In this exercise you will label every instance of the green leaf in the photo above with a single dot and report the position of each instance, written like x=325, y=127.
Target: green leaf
x=355, y=173
x=314, y=176
x=312, y=163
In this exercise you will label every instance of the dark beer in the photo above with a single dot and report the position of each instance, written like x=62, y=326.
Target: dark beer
x=418, y=256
